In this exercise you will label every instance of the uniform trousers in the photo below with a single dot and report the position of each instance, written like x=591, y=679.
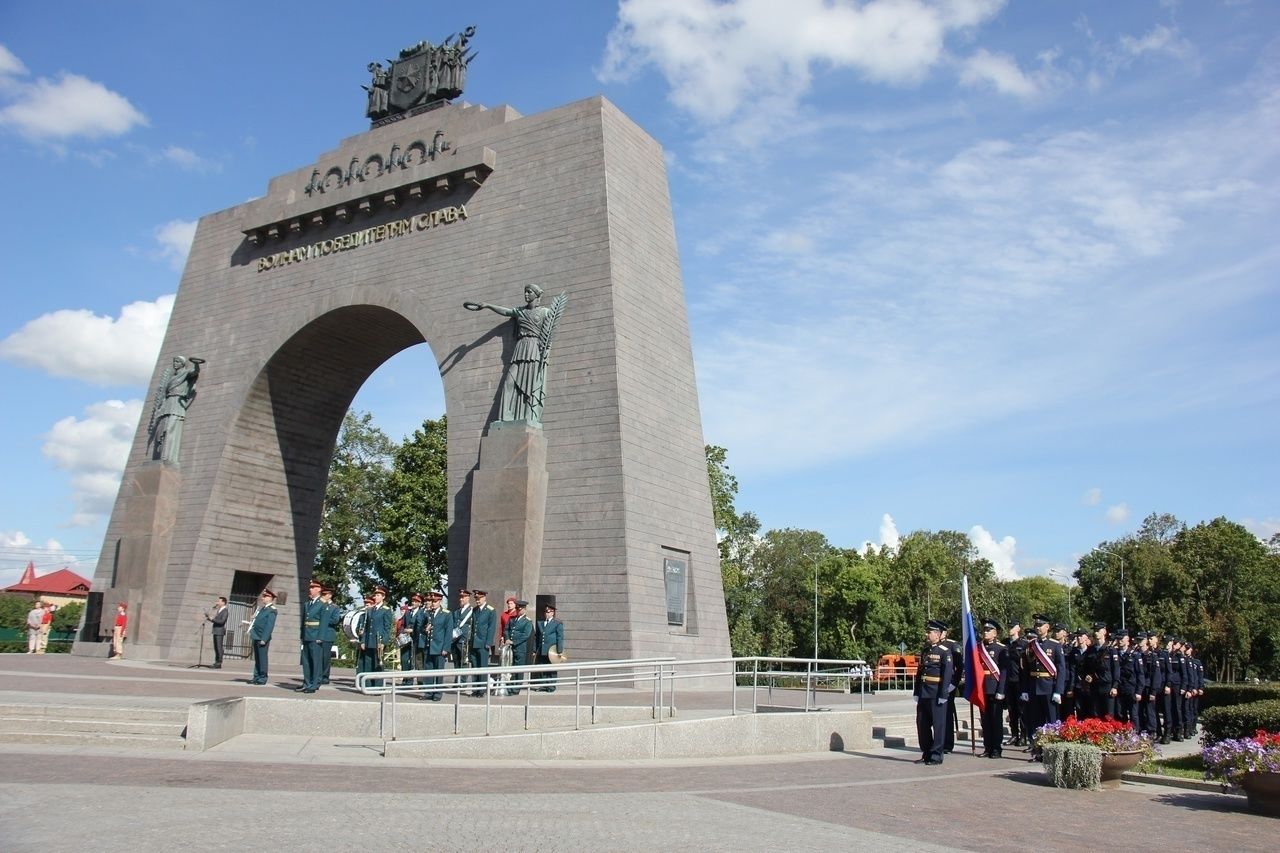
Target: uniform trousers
x=436, y=662
x=931, y=717
x=260, y=661
x=1017, y=726
x=992, y=724
x=328, y=662
x=1104, y=704
x=949, y=741
x=1040, y=710
x=312, y=663
x=1173, y=720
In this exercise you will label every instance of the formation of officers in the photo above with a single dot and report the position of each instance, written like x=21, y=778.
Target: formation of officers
x=427, y=634
x=1151, y=681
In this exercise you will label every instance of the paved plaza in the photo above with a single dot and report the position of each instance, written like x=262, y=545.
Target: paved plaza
x=338, y=795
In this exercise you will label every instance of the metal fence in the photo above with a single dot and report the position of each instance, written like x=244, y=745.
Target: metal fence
x=662, y=675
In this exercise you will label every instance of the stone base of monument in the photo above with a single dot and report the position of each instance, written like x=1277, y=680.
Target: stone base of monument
x=425, y=730
x=139, y=557
x=508, y=509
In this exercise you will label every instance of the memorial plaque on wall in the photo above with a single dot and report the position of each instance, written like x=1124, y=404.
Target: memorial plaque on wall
x=676, y=574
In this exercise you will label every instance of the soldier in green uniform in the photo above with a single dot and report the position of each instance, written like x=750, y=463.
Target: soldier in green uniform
x=329, y=631
x=519, y=632
x=437, y=629
x=264, y=622
x=314, y=618
x=409, y=620
x=483, y=637
x=376, y=633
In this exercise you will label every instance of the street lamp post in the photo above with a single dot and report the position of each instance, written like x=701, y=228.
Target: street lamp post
x=1067, y=580
x=1121, y=559
x=815, y=609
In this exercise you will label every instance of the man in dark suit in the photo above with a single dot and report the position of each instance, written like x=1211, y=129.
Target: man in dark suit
x=550, y=635
x=219, y=619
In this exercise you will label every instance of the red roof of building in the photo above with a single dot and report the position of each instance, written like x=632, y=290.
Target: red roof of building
x=61, y=582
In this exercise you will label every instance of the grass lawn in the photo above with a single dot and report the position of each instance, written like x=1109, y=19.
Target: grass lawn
x=1186, y=766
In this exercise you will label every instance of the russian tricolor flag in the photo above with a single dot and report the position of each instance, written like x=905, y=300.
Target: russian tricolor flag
x=973, y=669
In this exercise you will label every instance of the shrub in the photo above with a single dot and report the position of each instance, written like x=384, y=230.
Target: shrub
x=1073, y=765
x=1218, y=695
x=1240, y=721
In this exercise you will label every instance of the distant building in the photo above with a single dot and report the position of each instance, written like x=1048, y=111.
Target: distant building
x=61, y=587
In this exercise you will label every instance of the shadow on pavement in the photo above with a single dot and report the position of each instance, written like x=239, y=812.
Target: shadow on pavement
x=1204, y=802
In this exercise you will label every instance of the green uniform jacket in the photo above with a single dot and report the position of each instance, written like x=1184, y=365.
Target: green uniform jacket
x=378, y=622
x=264, y=622
x=486, y=620
x=520, y=631
x=315, y=616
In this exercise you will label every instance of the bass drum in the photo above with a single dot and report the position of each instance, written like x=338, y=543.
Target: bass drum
x=352, y=622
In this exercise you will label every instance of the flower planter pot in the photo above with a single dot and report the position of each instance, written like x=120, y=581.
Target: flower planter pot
x=1263, y=790
x=1116, y=764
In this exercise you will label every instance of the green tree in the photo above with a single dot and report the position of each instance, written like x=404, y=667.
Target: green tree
x=736, y=537
x=413, y=526
x=353, y=499
x=67, y=617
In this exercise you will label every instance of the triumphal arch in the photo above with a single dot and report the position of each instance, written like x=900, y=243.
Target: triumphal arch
x=290, y=301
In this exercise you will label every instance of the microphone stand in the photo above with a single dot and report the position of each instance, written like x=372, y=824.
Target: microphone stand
x=199, y=664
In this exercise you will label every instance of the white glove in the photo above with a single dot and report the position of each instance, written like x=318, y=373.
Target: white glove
x=915, y=699
x=999, y=697
x=1057, y=699
x=1023, y=697
x=942, y=701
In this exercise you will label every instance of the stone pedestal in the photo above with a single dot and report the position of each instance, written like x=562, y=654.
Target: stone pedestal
x=149, y=498
x=508, y=509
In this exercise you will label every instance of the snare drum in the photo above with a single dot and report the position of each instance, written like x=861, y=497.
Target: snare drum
x=353, y=624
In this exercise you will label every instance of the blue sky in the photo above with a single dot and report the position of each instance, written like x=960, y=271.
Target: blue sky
x=1006, y=268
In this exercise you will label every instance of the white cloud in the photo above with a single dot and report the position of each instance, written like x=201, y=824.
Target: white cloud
x=952, y=287
x=175, y=241
x=94, y=451
x=1092, y=497
x=1263, y=528
x=188, y=160
x=1118, y=514
x=1000, y=553
x=17, y=549
x=1162, y=40
x=718, y=57
x=999, y=71
x=890, y=539
x=10, y=65
x=68, y=107
x=78, y=344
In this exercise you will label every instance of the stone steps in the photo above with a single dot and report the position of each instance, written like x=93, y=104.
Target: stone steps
x=93, y=725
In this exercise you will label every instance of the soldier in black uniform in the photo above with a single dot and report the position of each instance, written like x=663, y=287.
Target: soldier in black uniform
x=1082, y=705
x=953, y=690
x=1059, y=634
x=995, y=673
x=1129, y=684
x=1043, y=677
x=1193, y=674
x=1016, y=647
x=1106, y=663
x=1174, y=682
x=933, y=675
x=1152, y=685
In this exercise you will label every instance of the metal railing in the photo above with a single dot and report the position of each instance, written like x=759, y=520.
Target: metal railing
x=663, y=674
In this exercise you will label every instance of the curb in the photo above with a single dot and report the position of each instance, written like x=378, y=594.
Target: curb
x=1178, y=782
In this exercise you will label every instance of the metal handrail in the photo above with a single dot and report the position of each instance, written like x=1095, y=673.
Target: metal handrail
x=663, y=672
